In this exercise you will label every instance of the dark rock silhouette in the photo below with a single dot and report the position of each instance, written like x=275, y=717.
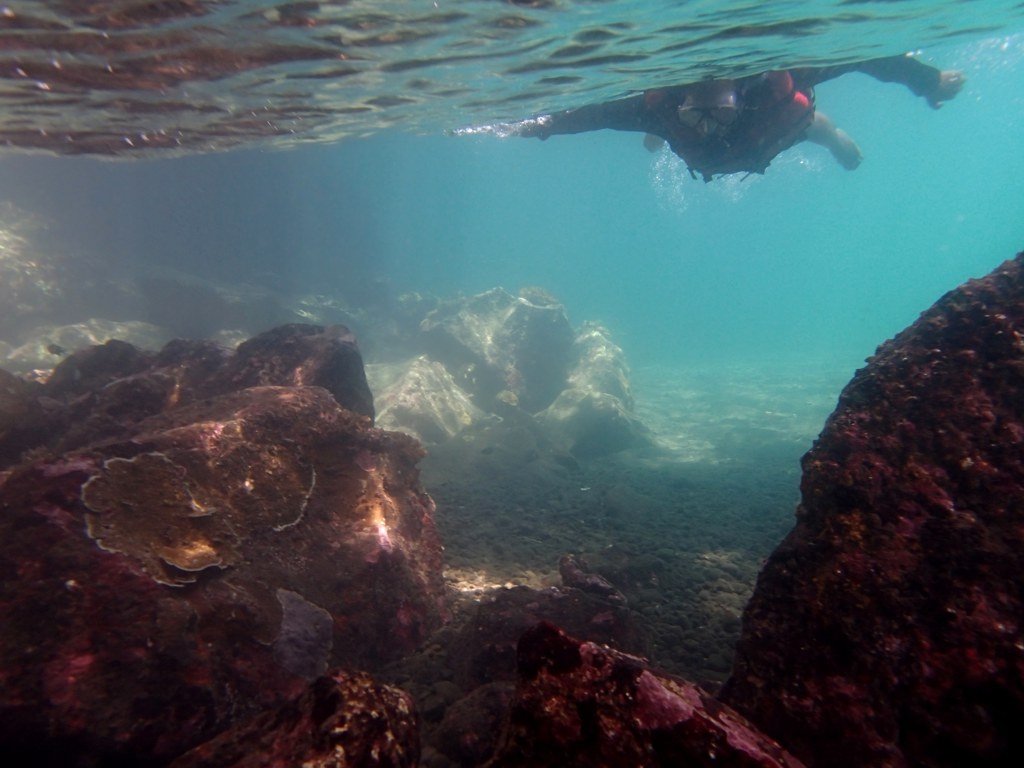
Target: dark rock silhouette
x=469, y=731
x=582, y=704
x=196, y=535
x=485, y=650
x=887, y=628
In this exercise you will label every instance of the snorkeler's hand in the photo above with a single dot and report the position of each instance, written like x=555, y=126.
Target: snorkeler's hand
x=950, y=83
x=534, y=127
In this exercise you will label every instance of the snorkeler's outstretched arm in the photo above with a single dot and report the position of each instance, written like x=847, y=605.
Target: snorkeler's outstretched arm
x=620, y=115
x=933, y=84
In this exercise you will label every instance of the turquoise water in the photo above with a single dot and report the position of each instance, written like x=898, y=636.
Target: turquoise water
x=742, y=305
x=807, y=262
x=138, y=79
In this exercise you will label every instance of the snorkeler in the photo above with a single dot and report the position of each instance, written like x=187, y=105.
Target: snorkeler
x=720, y=127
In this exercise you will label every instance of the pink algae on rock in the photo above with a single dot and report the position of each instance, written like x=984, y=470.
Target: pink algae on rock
x=886, y=629
x=580, y=704
x=179, y=562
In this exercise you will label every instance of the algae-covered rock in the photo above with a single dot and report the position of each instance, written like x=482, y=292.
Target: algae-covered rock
x=886, y=629
x=346, y=719
x=582, y=705
x=103, y=392
x=198, y=535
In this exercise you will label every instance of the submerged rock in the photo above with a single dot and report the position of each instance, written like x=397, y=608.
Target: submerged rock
x=496, y=343
x=581, y=704
x=20, y=413
x=214, y=531
x=593, y=415
x=102, y=392
x=302, y=355
x=469, y=731
x=887, y=628
x=422, y=399
x=341, y=720
x=485, y=649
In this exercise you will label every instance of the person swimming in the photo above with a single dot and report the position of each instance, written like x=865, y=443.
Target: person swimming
x=720, y=127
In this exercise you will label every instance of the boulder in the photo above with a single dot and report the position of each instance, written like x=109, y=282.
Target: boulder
x=102, y=392
x=215, y=531
x=887, y=628
x=345, y=719
x=485, y=649
x=594, y=415
x=497, y=344
x=419, y=397
x=582, y=704
x=302, y=355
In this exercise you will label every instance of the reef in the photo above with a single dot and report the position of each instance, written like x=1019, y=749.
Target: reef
x=213, y=557
x=582, y=704
x=886, y=629
x=192, y=536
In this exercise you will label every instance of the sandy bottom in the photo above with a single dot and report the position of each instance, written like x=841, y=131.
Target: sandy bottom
x=682, y=529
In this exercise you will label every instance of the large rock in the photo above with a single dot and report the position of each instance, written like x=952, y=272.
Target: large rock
x=202, y=550
x=485, y=649
x=342, y=720
x=306, y=356
x=888, y=628
x=469, y=731
x=102, y=392
x=594, y=415
x=498, y=344
x=579, y=704
x=419, y=397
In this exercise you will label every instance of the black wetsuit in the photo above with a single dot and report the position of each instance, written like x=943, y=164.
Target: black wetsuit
x=769, y=120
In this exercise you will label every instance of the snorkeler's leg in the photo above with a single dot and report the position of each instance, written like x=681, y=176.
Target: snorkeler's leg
x=823, y=132
x=653, y=143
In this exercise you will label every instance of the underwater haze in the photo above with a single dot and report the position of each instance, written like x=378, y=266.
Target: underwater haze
x=216, y=169
x=807, y=261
